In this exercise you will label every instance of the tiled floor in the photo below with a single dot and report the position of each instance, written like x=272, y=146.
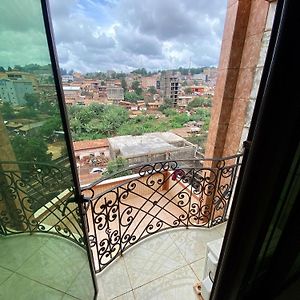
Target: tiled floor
x=38, y=267
x=163, y=267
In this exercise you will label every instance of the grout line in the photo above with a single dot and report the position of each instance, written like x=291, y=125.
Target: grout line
x=127, y=272
x=122, y=295
x=29, y=257
x=179, y=250
x=79, y=272
x=10, y=275
x=190, y=265
x=43, y=284
x=159, y=277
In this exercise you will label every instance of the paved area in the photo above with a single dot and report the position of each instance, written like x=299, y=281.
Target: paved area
x=162, y=267
x=43, y=267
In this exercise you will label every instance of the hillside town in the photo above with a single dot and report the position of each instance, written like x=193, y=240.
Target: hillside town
x=149, y=115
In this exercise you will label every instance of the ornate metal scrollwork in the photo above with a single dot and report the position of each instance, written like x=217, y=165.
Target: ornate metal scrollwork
x=33, y=197
x=158, y=196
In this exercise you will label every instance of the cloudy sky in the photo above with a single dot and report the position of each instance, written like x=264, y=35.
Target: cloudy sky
x=22, y=35
x=122, y=35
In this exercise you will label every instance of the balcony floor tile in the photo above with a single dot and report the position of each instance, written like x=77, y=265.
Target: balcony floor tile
x=21, y=288
x=4, y=274
x=127, y=296
x=152, y=258
x=198, y=268
x=113, y=281
x=162, y=267
x=11, y=245
x=192, y=242
x=177, y=285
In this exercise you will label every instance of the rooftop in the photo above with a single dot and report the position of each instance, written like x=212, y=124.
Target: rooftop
x=149, y=143
x=71, y=88
x=90, y=144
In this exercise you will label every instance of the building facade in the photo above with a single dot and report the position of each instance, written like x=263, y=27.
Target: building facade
x=13, y=91
x=169, y=86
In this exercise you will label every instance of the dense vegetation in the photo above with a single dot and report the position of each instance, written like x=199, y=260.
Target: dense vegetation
x=101, y=121
x=199, y=102
x=115, y=166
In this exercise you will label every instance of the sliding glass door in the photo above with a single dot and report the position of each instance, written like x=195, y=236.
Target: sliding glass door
x=43, y=248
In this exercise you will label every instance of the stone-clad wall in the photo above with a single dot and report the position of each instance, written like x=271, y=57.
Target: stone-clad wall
x=244, y=42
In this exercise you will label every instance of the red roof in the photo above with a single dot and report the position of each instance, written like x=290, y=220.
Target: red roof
x=90, y=144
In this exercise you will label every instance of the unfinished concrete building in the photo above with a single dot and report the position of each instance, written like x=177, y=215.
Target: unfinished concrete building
x=151, y=147
x=169, y=86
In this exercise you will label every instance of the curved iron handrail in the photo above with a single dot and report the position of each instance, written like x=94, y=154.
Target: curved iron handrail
x=136, y=166
x=160, y=196
x=33, y=196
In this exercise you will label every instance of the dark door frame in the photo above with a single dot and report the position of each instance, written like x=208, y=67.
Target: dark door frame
x=66, y=127
x=269, y=183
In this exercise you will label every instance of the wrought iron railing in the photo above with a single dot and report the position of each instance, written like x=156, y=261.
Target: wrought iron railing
x=34, y=198
x=156, y=196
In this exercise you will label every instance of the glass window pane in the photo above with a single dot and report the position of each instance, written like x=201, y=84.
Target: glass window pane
x=40, y=227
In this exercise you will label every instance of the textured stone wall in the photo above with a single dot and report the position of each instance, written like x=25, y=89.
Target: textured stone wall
x=243, y=40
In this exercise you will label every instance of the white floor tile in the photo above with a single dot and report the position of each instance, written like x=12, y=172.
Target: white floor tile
x=4, y=274
x=113, y=281
x=18, y=249
x=152, y=258
x=198, y=268
x=21, y=288
x=56, y=264
x=177, y=285
x=127, y=296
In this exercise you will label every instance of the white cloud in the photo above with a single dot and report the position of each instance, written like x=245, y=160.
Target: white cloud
x=126, y=34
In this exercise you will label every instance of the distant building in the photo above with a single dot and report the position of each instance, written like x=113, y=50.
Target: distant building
x=169, y=86
x=77, y=75
x=197, y=89
x=148, y=81
x=18, y=75
x=183, y=101
x=13, y=91
x=31, y=128
x=67, y=78
x=153, y=105
x=72, y=94
x=115, y=94
x=150, y=147
x=91, y=148
x=201, y=76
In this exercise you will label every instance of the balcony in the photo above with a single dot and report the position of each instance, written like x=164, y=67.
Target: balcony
x=168, y=210
x=165, y=266
x=27, y=272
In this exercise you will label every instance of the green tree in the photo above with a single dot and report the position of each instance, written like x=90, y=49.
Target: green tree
x=50, y=126
x=168, y=103
x=113, y=118
x=132, y=96
x=117, y=165
x=7, y=111
x=27, y=112
x=2, y=69
x=32, y=100
x=141, y=71
x=135, y=85
x=32, y=148
x=47, y=107
x=152, y=90
x=199, y=102
x=124, y=84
